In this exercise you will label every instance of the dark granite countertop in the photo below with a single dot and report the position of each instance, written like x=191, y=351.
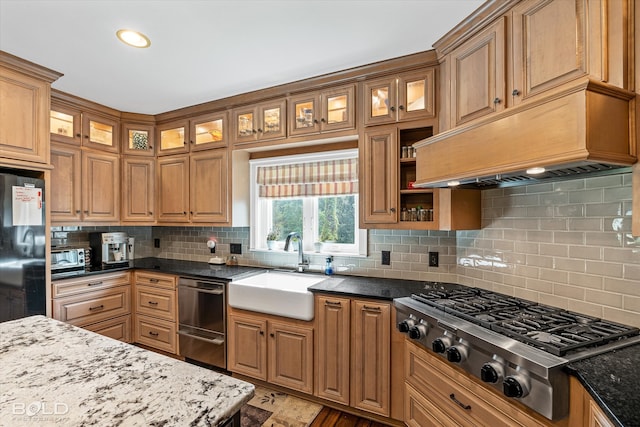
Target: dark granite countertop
x=369, y=287
x=612, y=379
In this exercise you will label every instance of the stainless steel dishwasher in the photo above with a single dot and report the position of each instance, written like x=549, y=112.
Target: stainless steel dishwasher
x=201, y=314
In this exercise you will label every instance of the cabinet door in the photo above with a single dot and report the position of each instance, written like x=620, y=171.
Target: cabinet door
x=65, y=124
x=380, y=98
x=209, y=131
x=118, y=328
x=416, y=95
x=548, y=45
x=24, y=112
x=100, y=133
x=156, y=333
x=66, y=191
x=304, y=111
x=138, y=139
x=338, y=109
x=478, y=75
x=172, y=138
x=379, y=163
x=370, y=356
x=209, y=186
x=247, y=349
x=173, y=188
x=290, y=355
x=100, y=187
x=272, y=120
x=332, y=348
x=138, y=189
x=245, y=124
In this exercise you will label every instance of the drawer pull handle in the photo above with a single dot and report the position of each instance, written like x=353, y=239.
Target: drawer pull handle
x=460, y=404
x=94, y=284
x=370, y=308
x=153, y=334
x=99, y=307
x=154, y=280
x=333, y=303
x=152, y=302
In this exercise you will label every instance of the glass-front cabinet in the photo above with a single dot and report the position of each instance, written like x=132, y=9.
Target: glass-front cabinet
x=73, y=126
x=200, y=133
x=260, y=122
x=402, y=97
x=138, y=139
x=322, y=111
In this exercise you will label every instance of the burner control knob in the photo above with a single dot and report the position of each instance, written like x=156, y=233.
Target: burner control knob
x=440, y=345
x=491, y=372
x=515, y=386
x=457, y=353
x=418, y=331
x=406, y=325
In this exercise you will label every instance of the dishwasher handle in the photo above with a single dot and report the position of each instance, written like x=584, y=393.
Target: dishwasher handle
x=204, y=290
x=215, y=288
x=216, y=341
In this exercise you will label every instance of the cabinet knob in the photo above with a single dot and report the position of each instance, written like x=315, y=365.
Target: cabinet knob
x=401, y=107
x=191, y=142
x=86, y=136
x=392, y=209
x=191, y=212
x=272, y=335
x=78, y=211
x=315, y=121
x=392, y=108
x=150, y=213
x=151, y=147
x=515, y=92
x=254, y=131
x=78, y=135
x=261, y=332
x=86, y=212
x=497, y=101
x=259, y=130
x=323, y=120
x=184, y=213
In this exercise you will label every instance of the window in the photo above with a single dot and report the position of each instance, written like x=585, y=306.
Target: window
x=315, y=195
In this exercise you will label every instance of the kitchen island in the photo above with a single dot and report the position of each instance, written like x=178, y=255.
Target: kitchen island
x=53, y=373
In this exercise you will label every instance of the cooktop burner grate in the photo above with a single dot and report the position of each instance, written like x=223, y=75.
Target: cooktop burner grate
x=554, y=330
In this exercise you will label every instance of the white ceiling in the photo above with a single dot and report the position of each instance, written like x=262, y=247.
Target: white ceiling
x=202, y=50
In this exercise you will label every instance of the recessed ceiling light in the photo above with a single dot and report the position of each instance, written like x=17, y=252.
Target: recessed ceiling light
x=535, y=171
x=453, y=183
x=133, y=38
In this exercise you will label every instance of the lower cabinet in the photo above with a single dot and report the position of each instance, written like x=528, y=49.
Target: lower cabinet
x=437, y=394
x=156, y=308
x=353, y=353
x=98, y=303
x=271, y=348
x=584, y=409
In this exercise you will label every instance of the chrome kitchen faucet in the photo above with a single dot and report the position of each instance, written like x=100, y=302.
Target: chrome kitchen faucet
x=302, y=262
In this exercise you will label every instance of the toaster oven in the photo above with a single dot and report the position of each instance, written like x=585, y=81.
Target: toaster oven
x=67, y=259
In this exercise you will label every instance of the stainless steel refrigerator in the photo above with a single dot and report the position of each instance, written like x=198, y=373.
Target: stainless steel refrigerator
x=22, y=245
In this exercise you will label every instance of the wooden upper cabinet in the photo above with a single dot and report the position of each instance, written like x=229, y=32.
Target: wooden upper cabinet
x=549, y=45
x=24, y=110
x=100, y=187
x=198, y=133
x=138, y=183
x=209, y=186
x=379, y=163
x=65, y=199
x=138, y=139
x=173, y=188
x=321, y=111
x=72, y=125
x=401, y=97
x=477, y=72
x=260, y=122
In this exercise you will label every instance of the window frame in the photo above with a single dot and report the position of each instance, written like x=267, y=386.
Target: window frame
x=261, y=215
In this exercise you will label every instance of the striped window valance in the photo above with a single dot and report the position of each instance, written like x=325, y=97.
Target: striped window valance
x=324, y=178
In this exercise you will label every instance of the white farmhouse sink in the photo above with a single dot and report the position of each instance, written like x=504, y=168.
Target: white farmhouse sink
x=275, y=292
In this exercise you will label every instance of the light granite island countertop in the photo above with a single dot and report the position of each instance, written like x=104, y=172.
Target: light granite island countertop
x=52, y=373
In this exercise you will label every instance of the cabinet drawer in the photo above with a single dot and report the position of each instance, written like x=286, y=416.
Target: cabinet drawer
x=457, y=395
x=118, y=328
x=156, y=333
x=420, y=412
x=92, y=307
x=157, y=280
x=156, y=302
x=67, y=287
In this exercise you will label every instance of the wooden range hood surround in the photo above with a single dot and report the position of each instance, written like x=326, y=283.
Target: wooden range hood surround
x=587, y=122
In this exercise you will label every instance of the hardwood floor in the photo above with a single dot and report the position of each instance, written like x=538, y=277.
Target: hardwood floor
x=329, y=417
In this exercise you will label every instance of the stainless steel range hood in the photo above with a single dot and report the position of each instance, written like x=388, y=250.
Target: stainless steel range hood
x=587, y=128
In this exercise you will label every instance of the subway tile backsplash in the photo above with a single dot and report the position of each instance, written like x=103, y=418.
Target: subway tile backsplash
x=566, y=244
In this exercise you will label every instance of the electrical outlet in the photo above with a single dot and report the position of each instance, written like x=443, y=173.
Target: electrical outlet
x=386, y=257
x=156, y=243
x=235, y=248
x=433, y=259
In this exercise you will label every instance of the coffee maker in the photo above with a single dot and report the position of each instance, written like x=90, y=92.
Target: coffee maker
x=109, y=248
